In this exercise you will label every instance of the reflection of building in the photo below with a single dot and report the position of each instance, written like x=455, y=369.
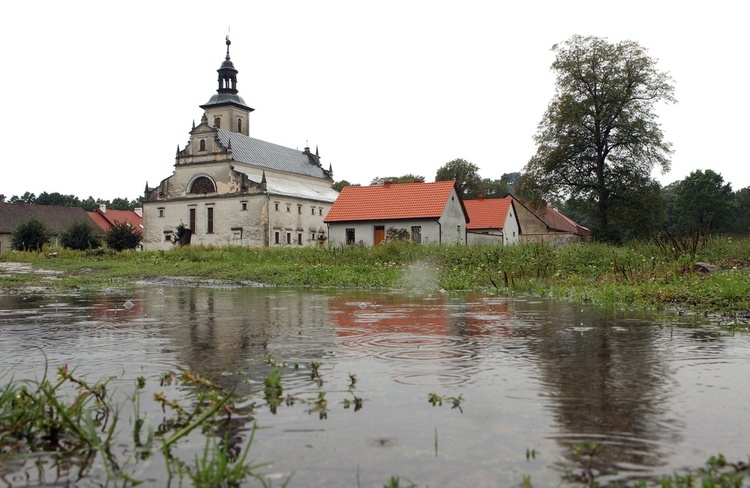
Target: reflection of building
x=229, y=188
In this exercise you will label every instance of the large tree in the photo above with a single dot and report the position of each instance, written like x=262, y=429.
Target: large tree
x=465, y=174
x=599, y=137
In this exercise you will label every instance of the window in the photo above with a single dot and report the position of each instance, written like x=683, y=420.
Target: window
x=209, y=220
x=288, y=207
x=202, y=145
x=299, y=209
x=416, y=233
x=276, y=237
x=288, y=237
x=320, y=211
x=313, y=210
x=217, y=122
x=350, y=236
x=161, y=211
x=167, y=236
x=192, y=219
x=202, y=185
x=239, y=125
x=312, y=236
x=244, y=205
x=276, y=206
x=299, y=238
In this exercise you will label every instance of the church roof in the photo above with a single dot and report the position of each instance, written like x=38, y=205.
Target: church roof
x=267, y=155
x=292, y=188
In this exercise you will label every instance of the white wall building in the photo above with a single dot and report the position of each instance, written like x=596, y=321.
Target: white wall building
x=228, y=188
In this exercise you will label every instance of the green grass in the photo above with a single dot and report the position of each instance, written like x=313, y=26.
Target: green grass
x=638, y=275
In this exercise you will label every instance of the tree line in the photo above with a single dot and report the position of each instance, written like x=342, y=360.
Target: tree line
x=89, y=204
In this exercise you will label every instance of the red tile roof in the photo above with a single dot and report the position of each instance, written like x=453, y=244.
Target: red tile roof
x=558, y=221
x=106, y=219
x=487, y=213
x=391, y=201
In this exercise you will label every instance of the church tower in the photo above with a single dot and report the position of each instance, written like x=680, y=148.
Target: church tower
x=226, y=109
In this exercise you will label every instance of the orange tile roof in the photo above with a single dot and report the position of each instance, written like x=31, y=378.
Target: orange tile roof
x=558, y=221
x=106, y=219
x=391, y=201
x=487, y=213
x=100, y=220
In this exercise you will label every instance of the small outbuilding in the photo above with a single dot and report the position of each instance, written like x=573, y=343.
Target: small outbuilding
x=492, y=221
x=56, y=219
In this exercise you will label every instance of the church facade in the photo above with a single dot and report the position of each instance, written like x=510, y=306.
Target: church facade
x=228, y=188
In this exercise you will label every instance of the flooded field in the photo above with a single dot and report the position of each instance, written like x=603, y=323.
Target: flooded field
x=439, y=390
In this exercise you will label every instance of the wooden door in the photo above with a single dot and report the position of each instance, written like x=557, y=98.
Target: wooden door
x=379, y=234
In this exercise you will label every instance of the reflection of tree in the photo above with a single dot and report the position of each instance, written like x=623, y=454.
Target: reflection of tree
x=606, y=383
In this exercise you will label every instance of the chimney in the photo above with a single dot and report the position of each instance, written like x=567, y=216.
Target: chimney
x=103, y=207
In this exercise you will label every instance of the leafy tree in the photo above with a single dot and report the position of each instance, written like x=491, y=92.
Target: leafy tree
x=703, y=199
x=89, y=205
x=339, y=185
x=30, y=236
x=123, y=236
x=120, y=204
x=599, y=136
x=465, y=174
x=55, y=198
x=408, y=178
x=493, y=188
x=80, y=236
x=25, y=198
x=742, y=206
x=2, y=198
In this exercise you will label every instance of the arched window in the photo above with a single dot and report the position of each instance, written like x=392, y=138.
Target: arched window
x=202, y=185
x=217, y=122
x=239, y=125
x=202, y=145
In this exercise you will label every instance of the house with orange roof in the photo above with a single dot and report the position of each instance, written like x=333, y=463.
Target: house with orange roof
x=548, y=225
x=492, y=221
x=106, y=218
x=425, y=212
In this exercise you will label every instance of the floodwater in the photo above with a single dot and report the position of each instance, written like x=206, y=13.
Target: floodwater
x=531, y=378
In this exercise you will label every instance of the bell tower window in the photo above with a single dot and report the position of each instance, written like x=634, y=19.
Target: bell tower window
x=217, y=122
x=239, y=125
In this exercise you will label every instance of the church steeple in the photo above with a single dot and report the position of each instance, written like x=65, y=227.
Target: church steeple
x=227, y=74
x=226, y=109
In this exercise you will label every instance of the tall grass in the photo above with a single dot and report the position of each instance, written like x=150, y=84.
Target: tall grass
x=655, y=274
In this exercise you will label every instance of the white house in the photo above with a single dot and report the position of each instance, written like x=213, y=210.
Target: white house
x=492, y=221
x=425, y=212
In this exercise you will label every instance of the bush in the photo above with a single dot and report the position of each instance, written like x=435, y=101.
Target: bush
x=80, y=236
x=123, y=236
x=30, y=236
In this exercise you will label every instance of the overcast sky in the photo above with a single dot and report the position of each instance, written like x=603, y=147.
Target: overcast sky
x=98, y=95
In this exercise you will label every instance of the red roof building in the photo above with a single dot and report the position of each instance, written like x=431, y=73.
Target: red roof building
x=421, y=212
x=492, y=221
x=106, y=218
x=548, y=225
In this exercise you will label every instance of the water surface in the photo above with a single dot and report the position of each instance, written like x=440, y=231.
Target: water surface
x=659, y=392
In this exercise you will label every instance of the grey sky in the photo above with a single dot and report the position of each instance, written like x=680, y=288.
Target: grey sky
x=97, y=95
